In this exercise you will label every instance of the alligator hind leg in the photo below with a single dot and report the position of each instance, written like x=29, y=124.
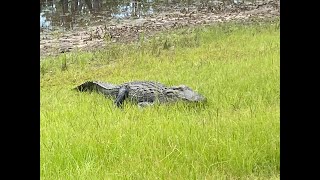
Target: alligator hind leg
x=122, y=95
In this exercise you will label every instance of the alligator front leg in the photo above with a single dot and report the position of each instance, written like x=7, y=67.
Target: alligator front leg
x=122, y=95
x=145, y=104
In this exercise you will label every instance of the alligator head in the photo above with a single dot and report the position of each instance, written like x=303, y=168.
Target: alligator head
x=186, y=93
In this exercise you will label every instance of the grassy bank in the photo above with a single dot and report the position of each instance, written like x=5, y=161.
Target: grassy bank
x=234, y=136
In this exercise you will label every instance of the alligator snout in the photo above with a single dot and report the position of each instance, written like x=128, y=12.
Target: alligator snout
x=190, y=95
x=200, y=98
x=196, y=98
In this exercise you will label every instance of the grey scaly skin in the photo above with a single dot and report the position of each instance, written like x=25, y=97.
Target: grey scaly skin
x=144, y=93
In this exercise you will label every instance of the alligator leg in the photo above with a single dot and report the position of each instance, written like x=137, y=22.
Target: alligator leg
x=144, y=104
x=122, y=95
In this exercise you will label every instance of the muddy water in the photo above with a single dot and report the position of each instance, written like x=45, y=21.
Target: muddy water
x=90, y=24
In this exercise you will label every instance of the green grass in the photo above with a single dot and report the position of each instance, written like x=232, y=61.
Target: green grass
x=235, y=135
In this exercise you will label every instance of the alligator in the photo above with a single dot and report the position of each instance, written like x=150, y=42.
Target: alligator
x=143, y=93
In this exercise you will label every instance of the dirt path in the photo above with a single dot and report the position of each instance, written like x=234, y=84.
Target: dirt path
x=53, y=43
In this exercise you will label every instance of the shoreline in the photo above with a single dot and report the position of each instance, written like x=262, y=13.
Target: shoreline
x=94, y=37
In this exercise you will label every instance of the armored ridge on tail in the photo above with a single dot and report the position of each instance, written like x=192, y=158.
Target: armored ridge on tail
x=142, y=92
